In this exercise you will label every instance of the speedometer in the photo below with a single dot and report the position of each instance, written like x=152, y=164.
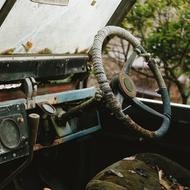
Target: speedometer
x=9, y=134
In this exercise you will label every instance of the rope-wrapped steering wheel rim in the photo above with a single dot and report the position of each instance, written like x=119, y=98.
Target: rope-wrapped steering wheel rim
x=109, y=97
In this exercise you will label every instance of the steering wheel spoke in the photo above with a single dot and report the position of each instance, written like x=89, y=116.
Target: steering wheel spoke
x=127, y=66
x=121, y=99
x=146, y=108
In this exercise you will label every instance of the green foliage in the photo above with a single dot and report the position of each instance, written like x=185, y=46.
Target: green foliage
x=164, y=29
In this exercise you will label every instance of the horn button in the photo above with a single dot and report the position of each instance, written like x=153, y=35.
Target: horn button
x=126, y=85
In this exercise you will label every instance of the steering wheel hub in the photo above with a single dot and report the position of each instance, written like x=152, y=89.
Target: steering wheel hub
x=126, y=85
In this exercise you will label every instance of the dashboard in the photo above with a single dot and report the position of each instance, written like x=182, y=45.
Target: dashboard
x=15, y=128
x=47, y=104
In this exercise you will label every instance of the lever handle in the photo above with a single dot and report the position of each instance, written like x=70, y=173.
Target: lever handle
x=34, y=120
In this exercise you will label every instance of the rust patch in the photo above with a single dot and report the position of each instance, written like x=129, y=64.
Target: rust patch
x=12, y=94
x=56, y=142
x=48, y=89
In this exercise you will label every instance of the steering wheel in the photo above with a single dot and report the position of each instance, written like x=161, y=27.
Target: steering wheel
x=126, y=84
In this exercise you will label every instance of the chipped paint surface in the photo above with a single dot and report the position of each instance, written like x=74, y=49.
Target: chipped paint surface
x=61, y=29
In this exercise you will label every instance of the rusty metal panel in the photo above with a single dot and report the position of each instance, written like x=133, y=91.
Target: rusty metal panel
x=54, y=98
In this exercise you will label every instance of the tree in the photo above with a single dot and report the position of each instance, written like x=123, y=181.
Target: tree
x=164, y=29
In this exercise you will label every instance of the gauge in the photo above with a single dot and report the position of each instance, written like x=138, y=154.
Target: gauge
x=49, y=109
x=9, y=134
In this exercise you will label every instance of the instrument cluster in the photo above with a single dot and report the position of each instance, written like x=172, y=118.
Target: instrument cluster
x=13, y=132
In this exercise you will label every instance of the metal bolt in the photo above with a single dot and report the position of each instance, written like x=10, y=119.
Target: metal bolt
x=20, y=119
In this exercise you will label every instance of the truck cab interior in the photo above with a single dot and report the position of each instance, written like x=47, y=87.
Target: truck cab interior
x=55, y=132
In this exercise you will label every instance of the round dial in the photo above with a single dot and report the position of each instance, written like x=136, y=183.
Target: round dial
x=9, y=134
x=49, y=109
